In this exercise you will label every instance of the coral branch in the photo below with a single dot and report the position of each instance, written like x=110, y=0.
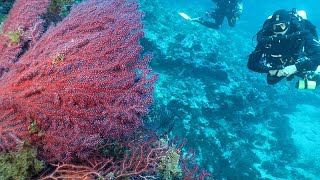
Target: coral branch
x=69, y=171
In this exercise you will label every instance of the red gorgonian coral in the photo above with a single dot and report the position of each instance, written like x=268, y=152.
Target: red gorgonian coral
x=80, y=83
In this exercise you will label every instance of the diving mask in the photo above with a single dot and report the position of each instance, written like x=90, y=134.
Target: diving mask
x=280, y=28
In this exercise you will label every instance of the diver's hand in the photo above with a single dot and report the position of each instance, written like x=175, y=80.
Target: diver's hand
x=281, y=73
x=289, y=70
x=278, y=73
x=273, y=72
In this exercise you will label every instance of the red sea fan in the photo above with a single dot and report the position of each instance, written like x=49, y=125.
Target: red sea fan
x=24, y=18
x=84, y=78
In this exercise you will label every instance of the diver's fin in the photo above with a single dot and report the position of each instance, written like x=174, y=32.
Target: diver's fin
x=185, y=16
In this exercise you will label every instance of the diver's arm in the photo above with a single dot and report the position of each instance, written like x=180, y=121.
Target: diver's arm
x=312, y=50
x=312, y=28
x=257, y=63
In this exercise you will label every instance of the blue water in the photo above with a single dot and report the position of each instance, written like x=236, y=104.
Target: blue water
x=240, y=127
x=255, y=12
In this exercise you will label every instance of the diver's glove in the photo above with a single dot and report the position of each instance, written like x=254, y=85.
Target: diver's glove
x=288, y=71
x=273, y=72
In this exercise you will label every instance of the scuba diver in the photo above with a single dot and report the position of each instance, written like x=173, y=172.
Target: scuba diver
x=287, y=46
x=231, y=9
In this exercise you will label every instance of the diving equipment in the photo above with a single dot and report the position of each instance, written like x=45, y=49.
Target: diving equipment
x=306, y=84
x=309, y=84
x=185, y=16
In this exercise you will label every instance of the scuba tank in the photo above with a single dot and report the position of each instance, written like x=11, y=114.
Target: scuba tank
x=306, y=84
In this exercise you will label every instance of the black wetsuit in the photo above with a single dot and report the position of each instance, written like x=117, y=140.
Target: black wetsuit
x=225, y=8
x=302, y=51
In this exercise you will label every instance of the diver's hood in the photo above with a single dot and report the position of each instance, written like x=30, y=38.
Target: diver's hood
x=280, y=16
